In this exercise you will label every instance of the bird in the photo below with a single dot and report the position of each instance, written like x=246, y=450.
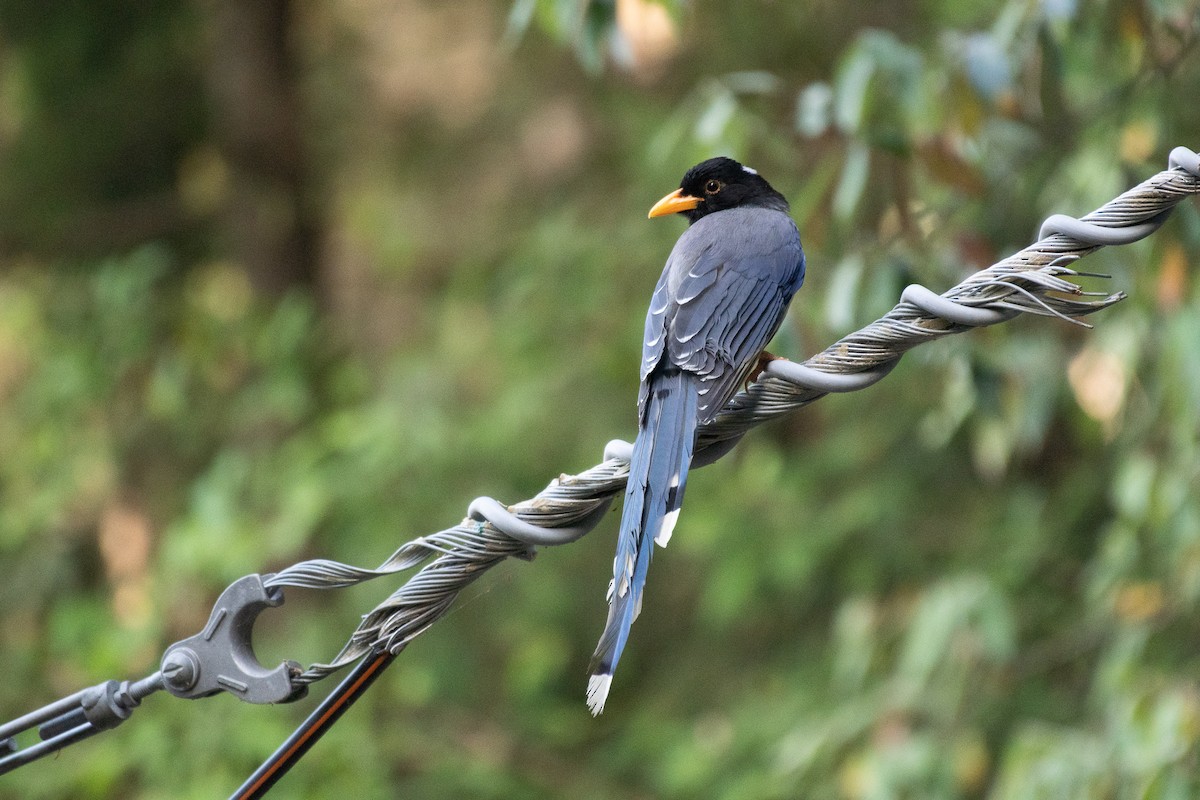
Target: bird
x=721, y=298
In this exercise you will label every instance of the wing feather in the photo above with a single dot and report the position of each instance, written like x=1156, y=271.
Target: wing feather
x=727, y=285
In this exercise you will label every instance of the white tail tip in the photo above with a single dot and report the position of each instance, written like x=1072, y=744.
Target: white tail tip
x=597, y=693
x=668, y=527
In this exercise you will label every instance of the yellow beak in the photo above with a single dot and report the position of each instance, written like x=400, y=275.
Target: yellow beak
x=673, y=203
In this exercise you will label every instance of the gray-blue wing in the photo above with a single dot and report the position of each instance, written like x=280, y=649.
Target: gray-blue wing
x=722, y=297
x=655, y=339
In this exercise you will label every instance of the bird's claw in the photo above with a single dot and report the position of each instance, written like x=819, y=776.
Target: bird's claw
x=760, y=366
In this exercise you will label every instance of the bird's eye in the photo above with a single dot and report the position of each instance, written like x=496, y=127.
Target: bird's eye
x=712, y=187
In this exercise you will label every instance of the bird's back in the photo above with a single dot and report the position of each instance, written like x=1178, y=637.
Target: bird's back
x=722, y=296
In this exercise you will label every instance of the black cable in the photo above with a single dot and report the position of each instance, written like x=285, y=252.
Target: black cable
x=313, y=728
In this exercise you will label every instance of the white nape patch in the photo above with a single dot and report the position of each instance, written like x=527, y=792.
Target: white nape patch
x=750, y=170
x=597, y=693
x=668, y=527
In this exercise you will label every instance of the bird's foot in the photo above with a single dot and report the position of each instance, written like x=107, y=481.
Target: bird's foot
x=760, y=366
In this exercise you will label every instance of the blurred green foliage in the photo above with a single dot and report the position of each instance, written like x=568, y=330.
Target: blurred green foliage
x=980, y=578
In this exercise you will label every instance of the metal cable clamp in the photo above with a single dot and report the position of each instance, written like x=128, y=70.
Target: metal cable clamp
x=219, y=658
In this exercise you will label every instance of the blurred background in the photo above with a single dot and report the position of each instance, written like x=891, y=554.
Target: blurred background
x=300, y=278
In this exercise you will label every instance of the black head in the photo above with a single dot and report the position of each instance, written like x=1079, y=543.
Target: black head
x=715, y=185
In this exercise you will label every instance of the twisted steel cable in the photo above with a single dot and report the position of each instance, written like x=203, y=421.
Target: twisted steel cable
x=1037, y=280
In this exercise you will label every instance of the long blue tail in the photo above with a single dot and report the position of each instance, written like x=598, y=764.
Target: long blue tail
x=657, y=477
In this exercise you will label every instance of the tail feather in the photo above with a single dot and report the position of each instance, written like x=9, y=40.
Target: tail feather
x=657, y=479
